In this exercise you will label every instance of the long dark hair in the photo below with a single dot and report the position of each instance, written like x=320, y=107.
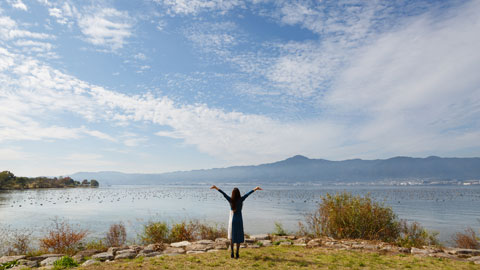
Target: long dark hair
x=234, y=199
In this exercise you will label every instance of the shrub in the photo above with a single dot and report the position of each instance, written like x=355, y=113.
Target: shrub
x=346, y=216
x=62, y=238
x=154, y=232
x=279, y=230
x=414, y=235
x=211, y=232
x=64, y=263
x=116, y=235
x=467, y=239
x=183, y=231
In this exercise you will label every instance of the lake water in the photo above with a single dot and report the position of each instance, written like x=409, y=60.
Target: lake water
x=445, y=209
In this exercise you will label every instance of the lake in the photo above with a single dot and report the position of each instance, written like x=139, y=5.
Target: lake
x=445, y=209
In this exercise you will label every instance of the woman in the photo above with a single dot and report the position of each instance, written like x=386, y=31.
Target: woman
x=235, y=223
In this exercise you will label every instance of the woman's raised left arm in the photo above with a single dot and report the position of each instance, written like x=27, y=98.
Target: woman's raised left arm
x=250, y=192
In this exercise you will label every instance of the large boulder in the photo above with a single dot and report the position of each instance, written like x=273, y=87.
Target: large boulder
x=265, y=243
x=317, y=242
x=27, y=263
x=90, y=262
x=200, y=247
x=84, y=253
x=44, y=256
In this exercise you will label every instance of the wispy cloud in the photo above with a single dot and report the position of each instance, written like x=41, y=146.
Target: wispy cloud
x=106, y=27
x=18, y=4
x=185, y=7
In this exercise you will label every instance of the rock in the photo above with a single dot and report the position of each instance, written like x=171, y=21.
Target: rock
x=44, y=256
x=84, y=253
x=357, y=246
x=249, y=241
x=257, y=237
x=213, y=250
x=152, y=248
x=135, y=248
x=114, y=250
x=442, y=255
x=253, y=245
x=222, y=241
x=199, y=247
x=291, y=237
x=464, y=251
x=285, y=243
x=126, y=251
x=28, y=263
x=180, y=244
x=220, y=247
x=7, y=259
x=173, y=250
x=265, y=243
x=195, y=252
x=317, y=242
x=49, y=261
x=90, y=262
x=205, y=242
x=277, y=238
x=125, y=255
x=103, y=256
x=19, y=267
x=370, y=247
x=151, y=254
x=419, y=251
x=301, y=241
x=472, y=259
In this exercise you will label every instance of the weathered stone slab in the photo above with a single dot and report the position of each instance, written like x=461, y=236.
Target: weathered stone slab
x=205, y=242
x=44, y=256
x=199, y=247
x=49, y=261
x=257, y=237
x=7, y=259
x=125, y=255
x=103, y=256
x=195, y=252
x=174, y=250
x=285, y=243
x=152, y=248
x=90, y=262
x=301, y=241
x=180, y=244
x=317, y=242
x=151, y=254
x=28, y=263
x=126, y=251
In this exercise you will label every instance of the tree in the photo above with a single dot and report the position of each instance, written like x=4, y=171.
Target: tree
x=94, y=183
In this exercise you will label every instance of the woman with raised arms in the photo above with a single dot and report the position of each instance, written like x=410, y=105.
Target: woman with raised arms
x=235, y=223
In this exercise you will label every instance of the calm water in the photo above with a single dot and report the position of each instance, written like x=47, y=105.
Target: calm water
x=444, y=209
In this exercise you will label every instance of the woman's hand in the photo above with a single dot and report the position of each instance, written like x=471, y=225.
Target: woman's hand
x=257, y=188
x=214, y=187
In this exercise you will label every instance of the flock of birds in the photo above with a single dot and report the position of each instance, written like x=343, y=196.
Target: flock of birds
x=276, y=195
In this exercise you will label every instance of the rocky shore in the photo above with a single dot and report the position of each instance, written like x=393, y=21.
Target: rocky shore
x=89, y=257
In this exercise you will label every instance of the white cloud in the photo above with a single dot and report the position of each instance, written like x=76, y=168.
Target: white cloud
x=63, y=13
x=9, y=154
x=18, y=4
x=106, y=27
x=185, y=7
x=140, y=56
x=9, y=30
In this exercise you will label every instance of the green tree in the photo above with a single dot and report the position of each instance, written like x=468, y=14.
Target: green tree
x=94, y=183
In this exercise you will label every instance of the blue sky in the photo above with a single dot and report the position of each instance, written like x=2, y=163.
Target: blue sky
x=165, y=85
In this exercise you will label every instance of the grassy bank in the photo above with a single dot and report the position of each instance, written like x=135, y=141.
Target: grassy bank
x=281, y=257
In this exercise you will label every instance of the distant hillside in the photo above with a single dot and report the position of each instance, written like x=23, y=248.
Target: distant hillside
x=303, y=169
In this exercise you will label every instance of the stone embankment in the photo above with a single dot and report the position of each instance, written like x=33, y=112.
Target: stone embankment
x=89, y=257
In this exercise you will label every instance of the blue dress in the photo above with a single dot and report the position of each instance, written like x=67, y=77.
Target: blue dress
x=235, y=224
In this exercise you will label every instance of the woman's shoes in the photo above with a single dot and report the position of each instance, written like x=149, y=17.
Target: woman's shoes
x=236, y=257
x=231, y=255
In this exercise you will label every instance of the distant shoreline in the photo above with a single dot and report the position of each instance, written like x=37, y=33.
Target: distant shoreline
x=8, y=181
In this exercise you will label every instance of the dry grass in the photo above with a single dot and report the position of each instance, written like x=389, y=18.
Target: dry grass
x=279, y=257
x=467, y=239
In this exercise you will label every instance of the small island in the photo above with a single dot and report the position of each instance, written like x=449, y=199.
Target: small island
x=8, y=181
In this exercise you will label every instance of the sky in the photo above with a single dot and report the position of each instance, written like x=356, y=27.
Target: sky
x=153, y=86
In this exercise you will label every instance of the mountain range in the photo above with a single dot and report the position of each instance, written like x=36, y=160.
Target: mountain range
x=300, y=169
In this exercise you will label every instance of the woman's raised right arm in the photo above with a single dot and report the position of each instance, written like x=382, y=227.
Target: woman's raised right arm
x=221, y=191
